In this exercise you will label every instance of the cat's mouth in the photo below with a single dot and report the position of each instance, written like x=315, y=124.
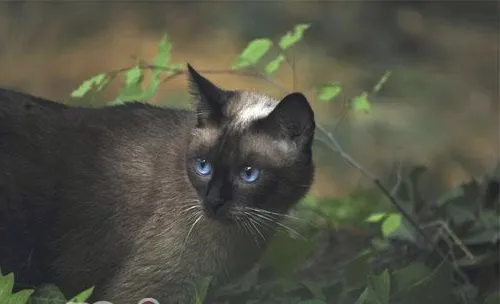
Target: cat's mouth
x=217, y=209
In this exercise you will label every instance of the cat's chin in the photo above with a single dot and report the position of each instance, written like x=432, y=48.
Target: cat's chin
x=222, y=216
x=224, y=220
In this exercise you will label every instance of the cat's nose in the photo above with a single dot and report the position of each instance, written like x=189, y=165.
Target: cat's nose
x=214, y=205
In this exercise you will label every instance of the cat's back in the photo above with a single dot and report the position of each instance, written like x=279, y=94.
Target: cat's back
x=30, y=117
x=17, y=103
x=39, y=136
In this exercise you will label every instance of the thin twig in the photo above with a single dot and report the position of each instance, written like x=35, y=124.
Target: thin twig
x=338, y=149
x=248, y=74
x=343, y=114
x=294, y=77
x=399, y=179
x=177, y=73
x=448, y=231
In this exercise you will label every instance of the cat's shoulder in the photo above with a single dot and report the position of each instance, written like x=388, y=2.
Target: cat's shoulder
x=142, y=111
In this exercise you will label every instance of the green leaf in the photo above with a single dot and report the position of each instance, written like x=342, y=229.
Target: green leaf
x=293, y=36
x=362, y=297
x=83, y=296
x=378, y=289
x=485, y=236
x=99, y=80
x=410, y=275
x=485, y=259
x=329, y=91
x=361, y=103
x=102, y=84
x=6, y=284
x=285, y=252
x=274, y=65
x=133, y=76
x=450, y=195
x=357, y=268
x=129, y=94
x=488, y=219
x=376, y=217
x=243, y=285
x=406, y=231
x=162, y=57
x=202, y=289
x=460, y=214
x=47, y=293
x=132, y=91
x=435, y=288
x=390, y=224
x=315, y=289
x=381, y=82
x=310, y=201
x=254, y=51
x=20, y=297
x=161, y=61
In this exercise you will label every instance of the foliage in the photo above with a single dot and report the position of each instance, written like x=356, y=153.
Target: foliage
x=393, y=261
x=252, y=53
x=201, y=289
x=134, y=88
x=48, y=294
x=329, y=91
x=6, y=293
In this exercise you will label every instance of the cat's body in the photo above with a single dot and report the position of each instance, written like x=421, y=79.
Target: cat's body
x=107, y=197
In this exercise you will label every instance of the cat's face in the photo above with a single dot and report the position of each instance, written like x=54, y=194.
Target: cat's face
x=248, y=154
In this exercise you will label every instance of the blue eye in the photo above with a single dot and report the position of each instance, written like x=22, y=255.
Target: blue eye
x=249, y=174
x=203, y=167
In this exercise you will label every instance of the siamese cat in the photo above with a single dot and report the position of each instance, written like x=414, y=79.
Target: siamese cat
x=142, y=201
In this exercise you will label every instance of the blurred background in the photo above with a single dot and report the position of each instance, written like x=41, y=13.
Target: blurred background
x=439, y=108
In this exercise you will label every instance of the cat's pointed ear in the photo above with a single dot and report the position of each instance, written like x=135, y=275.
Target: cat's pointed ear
x=209, y=98
x=292, y=119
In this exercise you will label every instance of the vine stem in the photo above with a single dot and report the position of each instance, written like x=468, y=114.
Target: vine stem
x=178, y=72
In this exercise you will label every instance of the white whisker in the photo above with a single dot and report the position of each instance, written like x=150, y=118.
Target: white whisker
x=251, y=231
x=266, y=217
x=190, y=208
x=200, y=216
x=277, y=214
x=256, y=228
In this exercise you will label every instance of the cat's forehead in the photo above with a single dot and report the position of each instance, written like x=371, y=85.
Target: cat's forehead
x=247, y=106
x=235, y=139
x=231, y=146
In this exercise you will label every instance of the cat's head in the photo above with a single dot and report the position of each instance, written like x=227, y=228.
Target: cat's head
x=248, y=154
